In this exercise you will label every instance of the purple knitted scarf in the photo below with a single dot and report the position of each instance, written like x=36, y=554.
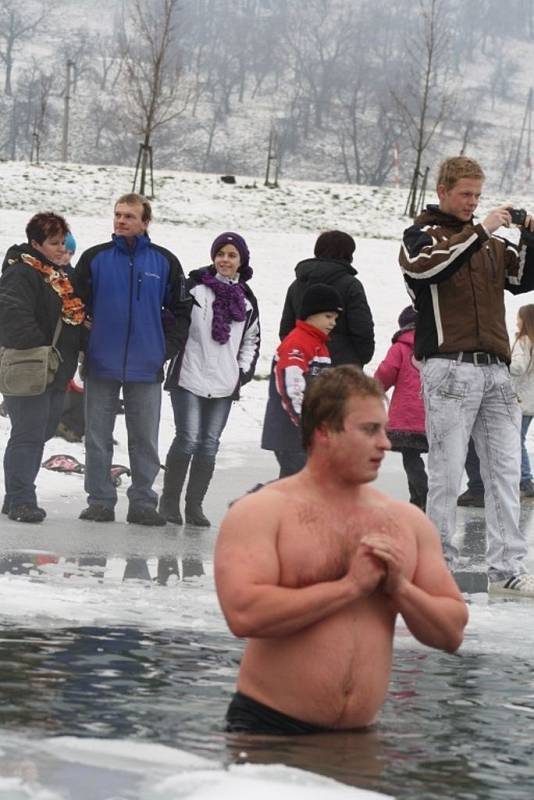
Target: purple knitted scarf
x=229, y=304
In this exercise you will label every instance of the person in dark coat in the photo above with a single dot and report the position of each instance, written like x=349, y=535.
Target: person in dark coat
x=352, y=340
x=35, y=292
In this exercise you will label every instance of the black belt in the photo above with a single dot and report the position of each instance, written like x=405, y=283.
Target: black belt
x=479, y=359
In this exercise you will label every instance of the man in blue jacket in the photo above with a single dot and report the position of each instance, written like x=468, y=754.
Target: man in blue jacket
x=128, y=284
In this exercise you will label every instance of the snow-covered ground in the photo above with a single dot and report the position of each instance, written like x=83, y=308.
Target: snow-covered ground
x=280, y=227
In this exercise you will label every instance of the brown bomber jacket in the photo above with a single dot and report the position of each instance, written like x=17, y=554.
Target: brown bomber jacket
x=456, y=276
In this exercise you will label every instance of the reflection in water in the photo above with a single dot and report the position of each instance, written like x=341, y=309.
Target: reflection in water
x=163, y=570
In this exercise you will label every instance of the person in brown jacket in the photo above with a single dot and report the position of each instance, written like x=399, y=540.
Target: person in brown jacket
x=456, y=271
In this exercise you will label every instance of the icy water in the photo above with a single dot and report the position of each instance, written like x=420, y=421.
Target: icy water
x=457, y=726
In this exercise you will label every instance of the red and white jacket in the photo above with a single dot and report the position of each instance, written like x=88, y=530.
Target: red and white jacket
x=299, y=358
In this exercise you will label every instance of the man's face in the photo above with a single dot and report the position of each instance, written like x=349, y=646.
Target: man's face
x=356, y=452
x=128, y=220
x=462, y=200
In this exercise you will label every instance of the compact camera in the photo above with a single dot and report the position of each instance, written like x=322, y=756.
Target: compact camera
x=518, y=216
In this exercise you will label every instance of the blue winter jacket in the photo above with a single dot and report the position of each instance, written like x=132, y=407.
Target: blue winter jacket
x=126, y=293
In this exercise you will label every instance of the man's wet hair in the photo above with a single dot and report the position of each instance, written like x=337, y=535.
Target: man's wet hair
x=134, y=199
x=326, y=396
x=454, y=169
x=44, y=225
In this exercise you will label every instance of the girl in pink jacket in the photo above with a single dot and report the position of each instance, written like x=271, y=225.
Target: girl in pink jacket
x=406, y=426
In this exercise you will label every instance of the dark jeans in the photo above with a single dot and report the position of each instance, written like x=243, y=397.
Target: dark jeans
x=33, y=421
x=414, y=467
x=73, y=414
x=291, y=461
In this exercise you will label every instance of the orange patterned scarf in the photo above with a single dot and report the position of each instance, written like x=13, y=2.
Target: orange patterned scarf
x=72, y=308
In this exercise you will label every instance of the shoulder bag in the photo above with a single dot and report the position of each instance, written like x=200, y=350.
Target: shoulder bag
x=25, y=373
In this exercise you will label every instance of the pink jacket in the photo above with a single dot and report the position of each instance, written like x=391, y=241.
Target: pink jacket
x=406, y=410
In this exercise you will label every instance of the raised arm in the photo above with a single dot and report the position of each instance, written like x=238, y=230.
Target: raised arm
x=430, y=603
x=427, y=257
x=248, y=574
x=520, y=260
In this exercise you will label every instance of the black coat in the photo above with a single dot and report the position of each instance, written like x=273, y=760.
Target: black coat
x=352, y=340
x=29, y=311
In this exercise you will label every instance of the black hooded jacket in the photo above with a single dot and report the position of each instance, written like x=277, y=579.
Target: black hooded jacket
x=352, y=340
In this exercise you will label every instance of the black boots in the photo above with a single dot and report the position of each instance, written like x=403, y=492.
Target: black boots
x=199, y=480
x=175, y=472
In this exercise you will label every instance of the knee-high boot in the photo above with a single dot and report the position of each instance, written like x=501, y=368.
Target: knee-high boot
x=199, y=480
x=175, y=472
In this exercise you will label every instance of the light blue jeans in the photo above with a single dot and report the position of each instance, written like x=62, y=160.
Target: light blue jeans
x=462, y=400
x=199, y=423
x=142, y=406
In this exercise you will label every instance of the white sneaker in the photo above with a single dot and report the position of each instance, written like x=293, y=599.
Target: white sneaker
x=516, y=586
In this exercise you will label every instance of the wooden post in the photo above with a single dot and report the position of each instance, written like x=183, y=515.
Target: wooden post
x=65, y=141
x=271, y=174
x=143, y=165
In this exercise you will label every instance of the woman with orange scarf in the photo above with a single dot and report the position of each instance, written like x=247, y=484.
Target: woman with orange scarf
x=35, y=292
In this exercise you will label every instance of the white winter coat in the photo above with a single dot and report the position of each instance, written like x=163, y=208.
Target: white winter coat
x=208, y=368
x=522, y=371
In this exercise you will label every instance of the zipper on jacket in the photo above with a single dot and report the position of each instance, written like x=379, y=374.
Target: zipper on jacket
x=474, y=301
x=129, y=328
x=139, y=282
x=493, y=263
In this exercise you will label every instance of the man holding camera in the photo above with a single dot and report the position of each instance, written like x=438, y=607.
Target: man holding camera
x=456, y=272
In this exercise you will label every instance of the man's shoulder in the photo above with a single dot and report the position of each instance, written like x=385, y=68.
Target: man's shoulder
x=165, y=252
x=93, y=251
x=272, y=491
x=401, y=509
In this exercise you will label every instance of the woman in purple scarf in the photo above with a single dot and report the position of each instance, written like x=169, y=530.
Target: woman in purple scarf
x=219, y=357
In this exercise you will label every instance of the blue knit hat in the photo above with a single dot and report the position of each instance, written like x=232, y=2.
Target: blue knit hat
x=228, y=237
x=70, y=243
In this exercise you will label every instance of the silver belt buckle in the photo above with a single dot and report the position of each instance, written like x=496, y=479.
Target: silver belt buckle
x=483, y=362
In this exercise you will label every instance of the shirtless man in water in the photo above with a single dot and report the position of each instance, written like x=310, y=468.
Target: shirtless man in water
x=313, y=570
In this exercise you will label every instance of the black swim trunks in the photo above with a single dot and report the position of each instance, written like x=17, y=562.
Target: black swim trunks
x=246, y=715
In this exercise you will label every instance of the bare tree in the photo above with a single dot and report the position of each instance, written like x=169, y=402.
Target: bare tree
x=151, y=72
x=424, y=100
x=17, y=24
x=316, y=44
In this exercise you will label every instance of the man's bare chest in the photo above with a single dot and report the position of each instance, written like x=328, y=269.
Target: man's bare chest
x=317, y=544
